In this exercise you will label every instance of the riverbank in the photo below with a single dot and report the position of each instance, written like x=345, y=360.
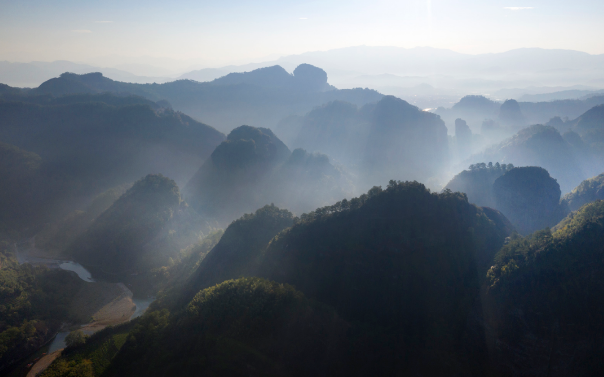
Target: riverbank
x=43, y=363
x=95, y=306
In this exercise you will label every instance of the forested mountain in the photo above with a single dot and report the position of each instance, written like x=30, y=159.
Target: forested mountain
x=544, y=300
x=529, y=198
x=240, y=250
x=253, y=168
x=401, y=269
x=259, y=98
x=543, y=146
x=394, y=282
x=389, y=139
x=588, y=191
x=477, y=182
x=144, y=228
x=21, y=195
x=86, y=144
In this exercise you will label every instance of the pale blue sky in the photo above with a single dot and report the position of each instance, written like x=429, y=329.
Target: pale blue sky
x=221, y=32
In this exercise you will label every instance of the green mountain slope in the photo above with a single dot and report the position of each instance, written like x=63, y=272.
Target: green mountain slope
x=140, y=231
x=253, y=168
x=102, y=141
x=260, y=97
x=545, y=298
x=588, y=191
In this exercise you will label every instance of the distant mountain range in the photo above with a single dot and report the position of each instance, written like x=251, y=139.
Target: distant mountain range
x=29, y=75
x=260, y=98
x=406, y=73
x=382, y=68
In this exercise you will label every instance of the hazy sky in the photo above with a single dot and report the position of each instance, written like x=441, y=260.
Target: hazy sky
x=215, y=33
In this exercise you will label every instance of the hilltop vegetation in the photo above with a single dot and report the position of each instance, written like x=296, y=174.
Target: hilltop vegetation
x=545, y=295
x=477, y=182
x=241, y=248
x=144, y=228
x=588, y=191
x=252, y=168
x=106, y=140
x=529, y=198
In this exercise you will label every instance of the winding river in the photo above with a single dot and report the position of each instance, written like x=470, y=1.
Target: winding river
x=59, y=341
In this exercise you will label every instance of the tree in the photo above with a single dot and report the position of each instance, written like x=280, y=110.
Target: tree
x=75, y=338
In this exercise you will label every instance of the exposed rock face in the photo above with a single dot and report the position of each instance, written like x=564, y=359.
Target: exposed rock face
x=310, y=77
x=529, y=198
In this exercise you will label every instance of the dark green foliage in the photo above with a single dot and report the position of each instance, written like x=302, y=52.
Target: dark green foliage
x=75, y=338
x=241, y=248
x=477, y=182
x=401, y=258
x=140, y=231
x=105, y=140
x=588, y=191
x=547, y=289
x=529, y=198
x=248, y=326
x=92, y=357
x=172, y=283
x=20, y=178
x=33, y=302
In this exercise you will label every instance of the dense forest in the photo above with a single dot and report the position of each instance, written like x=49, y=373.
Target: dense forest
x=318, y=237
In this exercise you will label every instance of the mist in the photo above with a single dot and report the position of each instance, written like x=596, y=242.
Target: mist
x=280, y=189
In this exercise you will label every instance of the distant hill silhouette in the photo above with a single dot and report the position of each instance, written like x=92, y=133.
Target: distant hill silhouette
x=337, y=128
x=253, y=168
x=261, y=97
x=475, y=109
x=404, y=142
x=104, y=140
x=141, y=230
x=543, y=146
x=390, y=138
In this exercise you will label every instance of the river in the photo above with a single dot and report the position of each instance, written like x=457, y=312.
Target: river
x=59, y=341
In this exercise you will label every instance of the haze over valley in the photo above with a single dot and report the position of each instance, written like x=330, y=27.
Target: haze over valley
x=280, y=189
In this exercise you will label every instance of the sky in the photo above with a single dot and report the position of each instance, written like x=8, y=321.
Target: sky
x=174, y=34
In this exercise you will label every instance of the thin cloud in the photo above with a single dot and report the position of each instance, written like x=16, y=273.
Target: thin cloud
x=303, y=18
x=103, y=22
x=518, y=8
x=81, y=31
